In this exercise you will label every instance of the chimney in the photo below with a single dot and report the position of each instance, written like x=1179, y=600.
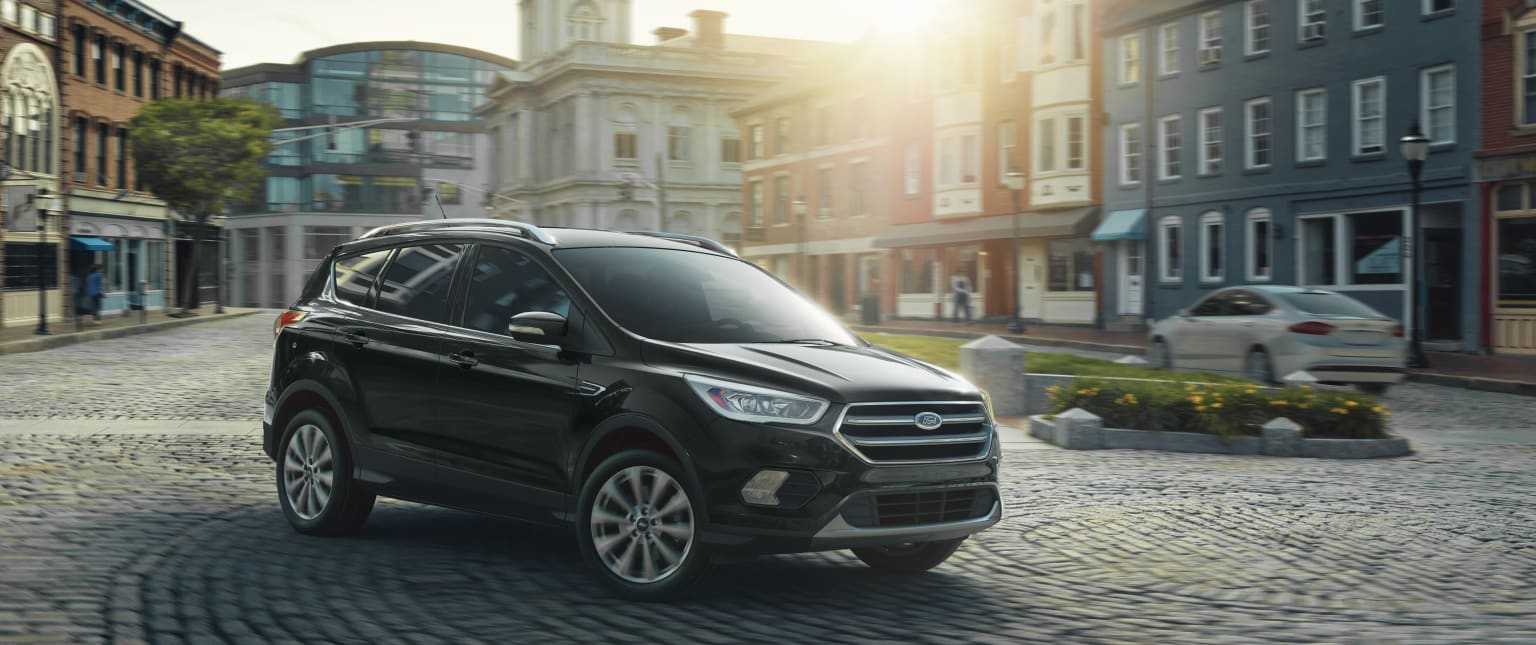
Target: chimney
x=664, y=34
x=709, y=28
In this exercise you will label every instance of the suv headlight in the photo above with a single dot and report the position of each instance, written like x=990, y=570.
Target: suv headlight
x=756, y=404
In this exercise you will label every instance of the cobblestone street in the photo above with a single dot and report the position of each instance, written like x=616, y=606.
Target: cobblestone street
x=178, y=537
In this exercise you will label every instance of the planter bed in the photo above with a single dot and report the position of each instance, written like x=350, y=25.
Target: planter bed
x=1078, y=429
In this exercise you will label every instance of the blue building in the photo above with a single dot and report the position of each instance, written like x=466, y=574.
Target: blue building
x=1256, y=141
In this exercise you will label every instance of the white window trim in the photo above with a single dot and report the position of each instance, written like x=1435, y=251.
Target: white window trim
x=912, y=171
x=1358, y=12
x=1301, y=21
x=1165, y=65
x=1354, y=121
x=1163, y=275
x=1248, y=40
x=1340, y=261
x=1007, y=148
x=1163, y=148
x=1248, y=149
x=1141, y=155
x=1046, y=147
x=1212, y=217
x=1255, y=216
x=1066, y=143
x=1205, y=162
x=1134, y=40
x=1203, y=45
x=1301, y=132
x=1424, y=102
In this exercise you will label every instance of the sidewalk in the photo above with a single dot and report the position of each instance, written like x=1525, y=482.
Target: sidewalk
x=1510, y=375
x=21, y=338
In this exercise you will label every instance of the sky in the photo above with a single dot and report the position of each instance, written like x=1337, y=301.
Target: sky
x=277, y=31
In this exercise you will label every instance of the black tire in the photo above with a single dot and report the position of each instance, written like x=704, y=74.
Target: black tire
x=347, y=507
x=908, y=558
x=1257, y=367
x=1160, y=354
x=670, y=583
x=1374, y=389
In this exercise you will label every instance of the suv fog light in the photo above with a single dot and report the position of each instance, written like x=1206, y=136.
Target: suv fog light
x=763, y=488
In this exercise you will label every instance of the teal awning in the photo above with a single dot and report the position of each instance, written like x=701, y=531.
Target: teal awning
x=89, y=244
x=1122, y=225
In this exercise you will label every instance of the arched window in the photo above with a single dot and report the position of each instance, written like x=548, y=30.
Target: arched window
x=1261, y=244
x=1213, y=246
x=584, y=22
x=30, y=110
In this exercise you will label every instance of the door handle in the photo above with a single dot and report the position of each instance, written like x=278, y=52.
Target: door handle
x=465, y=359
x=357, y=338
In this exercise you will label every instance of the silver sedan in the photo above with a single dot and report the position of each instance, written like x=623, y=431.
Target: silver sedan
x=1267, y=332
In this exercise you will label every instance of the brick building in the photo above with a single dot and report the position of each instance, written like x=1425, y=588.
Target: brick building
x=1505, y=169
x=113, y=58
x=29, y=134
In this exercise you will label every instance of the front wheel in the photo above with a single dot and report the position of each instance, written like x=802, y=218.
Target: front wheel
x=1159, y=355
x=913, y=557
x=1258, y=368
x=638, y=525
x=1374, y=389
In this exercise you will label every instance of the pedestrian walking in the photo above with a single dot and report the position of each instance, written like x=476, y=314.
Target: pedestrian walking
x=93, y=293
x=960, y=286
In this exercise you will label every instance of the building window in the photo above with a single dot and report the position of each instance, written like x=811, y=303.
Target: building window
x=138, y=74
x=1130, y=59
x=1007, y=141
x=1171, y=132
x=122, y=159
x=755, y=141
x=917, y=270
x=678, y=142
x=1515, y=239
x=823, y=125
x=1312, y=124
x=1370, y=116
x=947, y=161
x=1210, y=38
x=1170, y=256
x=1045, y=130
x=781, y=144
x=1168, y=54
x=730, y=150
x=1439, y=118
x=119, y=68
x=1076, y=33
x=1210, y=141
x=154, y=79
x=1527, y=88
x=1130, y=153
x=1212, y=246
x=1258, y=26
x=8, y=10
x=625, y=145
x=859, y=174
x=914, y=170
x=81, y=144
x=1075, y=143
x=1261, y=245
x=29, y=18
x=99, y=57
x=970, y=161
x=1352, y=249
x=824, y=184
x=1437, y=6
x=781, y=201
x=1314, y=20
x=1368, y=14
x=755, y=204
x=102, y=134
x=78, y=33
x=1048, y=37
x=1069, y=265
x=1258, y=135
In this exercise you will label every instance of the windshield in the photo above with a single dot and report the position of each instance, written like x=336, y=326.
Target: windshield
x=688, y=297
x=1323, y=303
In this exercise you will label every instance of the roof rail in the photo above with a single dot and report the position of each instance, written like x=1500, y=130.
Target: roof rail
x=527, y=230
x=696, y=239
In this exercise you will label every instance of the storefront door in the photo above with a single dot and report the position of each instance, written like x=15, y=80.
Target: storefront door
x=1442, y=273
x=1032, y=279
x=1131, y=277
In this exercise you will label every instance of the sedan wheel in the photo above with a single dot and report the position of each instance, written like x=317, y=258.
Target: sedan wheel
x=1257, y=367
x=639, y=526
x=1159, y=355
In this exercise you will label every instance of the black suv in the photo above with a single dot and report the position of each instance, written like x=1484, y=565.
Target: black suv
x=671, y=401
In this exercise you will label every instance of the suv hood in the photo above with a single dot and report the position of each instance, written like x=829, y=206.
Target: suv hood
x=838, y=373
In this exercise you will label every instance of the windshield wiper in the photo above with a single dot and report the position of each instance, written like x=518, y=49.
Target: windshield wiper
x=806, y=341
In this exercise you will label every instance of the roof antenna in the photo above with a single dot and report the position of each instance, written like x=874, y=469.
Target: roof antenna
x=438, y=200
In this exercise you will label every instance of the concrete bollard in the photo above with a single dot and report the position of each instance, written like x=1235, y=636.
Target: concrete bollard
x=996, y=365
x=1078, y=429
x=1299, y=378
x=1282, y=438
x=1131, y=360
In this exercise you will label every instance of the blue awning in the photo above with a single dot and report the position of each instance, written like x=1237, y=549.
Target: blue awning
x=1122, y=225
x=89, y=243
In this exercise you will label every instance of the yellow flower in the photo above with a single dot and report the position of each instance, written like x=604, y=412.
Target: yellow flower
x=1250, y=391
x=1306, y=387
x=1351, y=403
x=1197, y=399
x=1340, y=411
x=1376, y=409
x=1082, y=391
x=1199, y=408
x=1386, y=414
x=1215, y=405
x=1053, y=389
x=1277, y=402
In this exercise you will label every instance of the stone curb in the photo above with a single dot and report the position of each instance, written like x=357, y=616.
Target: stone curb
x=1502, y=386
x=61, y=340
x=1077, y=429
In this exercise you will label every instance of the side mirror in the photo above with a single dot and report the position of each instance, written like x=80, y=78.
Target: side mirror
x=538, y=327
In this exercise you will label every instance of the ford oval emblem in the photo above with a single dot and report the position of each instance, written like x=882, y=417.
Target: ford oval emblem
x=928, y=420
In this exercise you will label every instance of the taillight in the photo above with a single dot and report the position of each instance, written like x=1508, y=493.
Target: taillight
x=1313, y=327
x=1397, y=331
x=287, y=318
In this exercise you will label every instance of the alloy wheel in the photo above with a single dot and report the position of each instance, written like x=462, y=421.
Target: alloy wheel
x=642, y=524
x=308, y=472
x=1258, y=367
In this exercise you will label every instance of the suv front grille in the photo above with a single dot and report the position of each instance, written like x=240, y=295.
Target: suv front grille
x=912, y=509
x=887, y=433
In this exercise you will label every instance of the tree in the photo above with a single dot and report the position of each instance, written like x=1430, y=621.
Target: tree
x=202, y=155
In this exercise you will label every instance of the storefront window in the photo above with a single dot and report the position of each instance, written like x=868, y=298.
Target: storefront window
x=917, y=270
x=1070, y=265
x=1363, y=248
x=965, y=261
x=1517, y=262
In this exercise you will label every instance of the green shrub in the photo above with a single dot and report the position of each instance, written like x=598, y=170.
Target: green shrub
x=1231, y=409
x=945, y=352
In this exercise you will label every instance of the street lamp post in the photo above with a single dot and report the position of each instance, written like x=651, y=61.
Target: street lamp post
x=1015, y=183
x=218, y=299
x=43, y=202
x=1415, y=148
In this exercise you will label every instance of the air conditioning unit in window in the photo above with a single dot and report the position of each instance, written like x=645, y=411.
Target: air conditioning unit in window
x=1210, y=56
x=1312, y=31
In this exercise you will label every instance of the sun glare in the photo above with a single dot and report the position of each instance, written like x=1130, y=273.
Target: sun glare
x=901, y=17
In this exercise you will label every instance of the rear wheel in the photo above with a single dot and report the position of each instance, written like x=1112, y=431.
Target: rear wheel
x=638, y=526
x=314, y=479
x=1258, y=368
x=1159, y=355
x=1374, y=389
x=912, y=557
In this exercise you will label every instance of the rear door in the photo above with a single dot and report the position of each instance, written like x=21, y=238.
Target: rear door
x=1193, y=347
x=1229, y=336
x=501, y=435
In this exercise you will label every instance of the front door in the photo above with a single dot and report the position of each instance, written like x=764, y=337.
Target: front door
x=1130, y=278
x=1031, y=279
x=500, y=440
x=1442, y=273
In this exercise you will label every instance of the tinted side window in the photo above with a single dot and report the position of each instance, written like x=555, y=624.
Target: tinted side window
x=355, y=276
x=1215, y=305
x=416, y=282
x=1327, y=303
x=505, y=283
x=1248, y=303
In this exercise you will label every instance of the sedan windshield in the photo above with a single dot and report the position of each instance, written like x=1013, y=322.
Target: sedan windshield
x=690, y=297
